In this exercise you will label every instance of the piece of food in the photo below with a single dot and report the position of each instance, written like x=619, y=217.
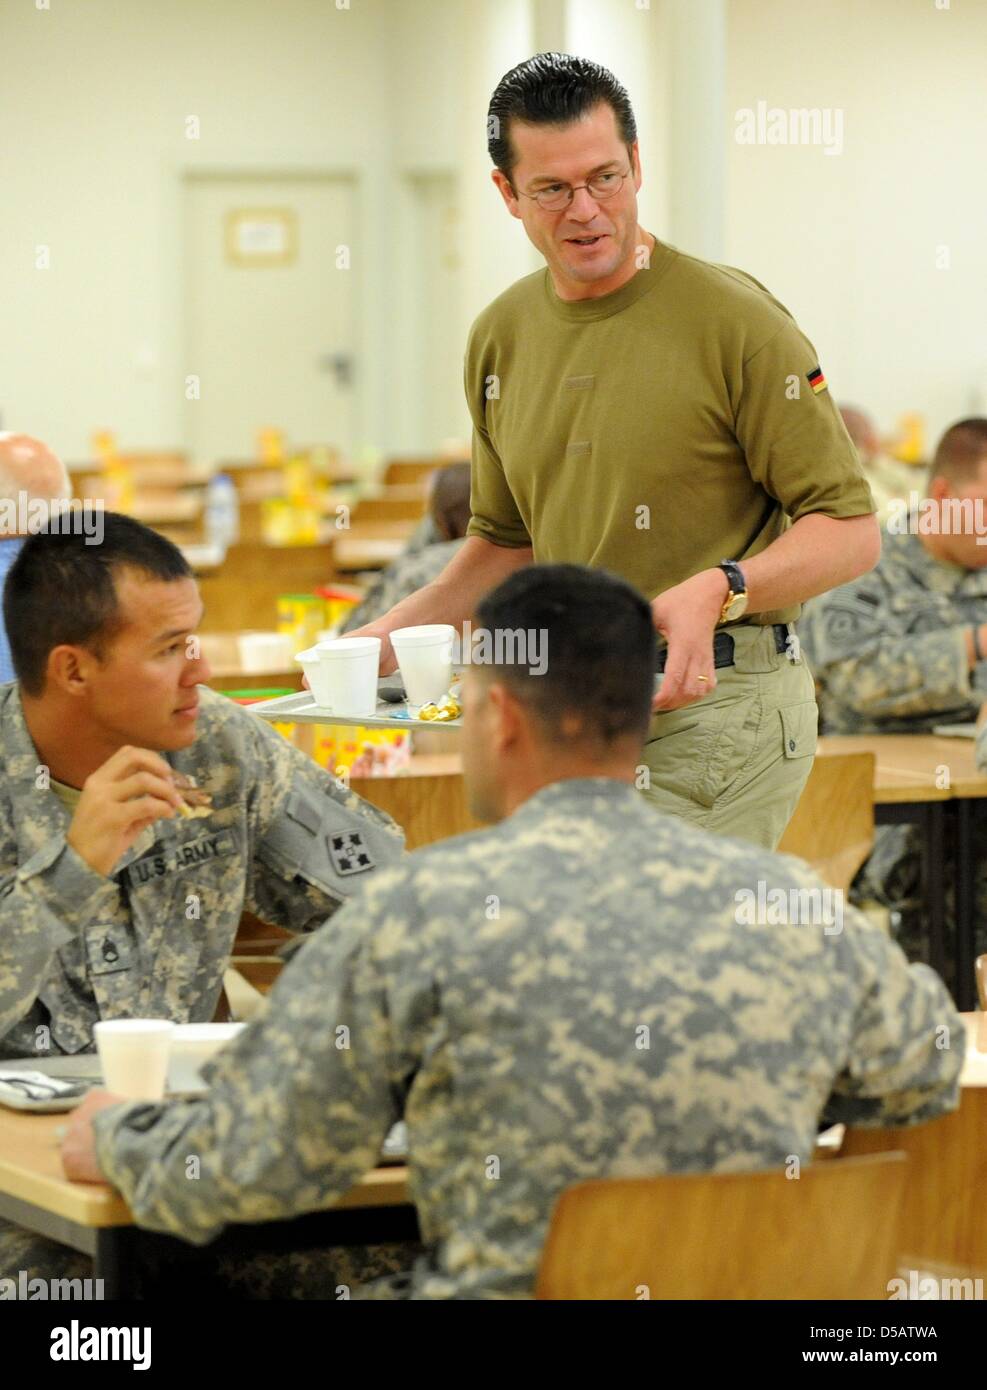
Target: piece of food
x=195, y=803
x=441, y=713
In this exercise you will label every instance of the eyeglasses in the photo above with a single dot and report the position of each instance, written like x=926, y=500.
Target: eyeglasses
x=560, y=195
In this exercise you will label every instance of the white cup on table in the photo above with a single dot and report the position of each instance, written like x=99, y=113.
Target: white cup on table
x=342, y=674
x=133, y=1053
x=424, y=656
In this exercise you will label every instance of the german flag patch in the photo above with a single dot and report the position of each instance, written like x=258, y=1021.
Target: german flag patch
x=816, y=380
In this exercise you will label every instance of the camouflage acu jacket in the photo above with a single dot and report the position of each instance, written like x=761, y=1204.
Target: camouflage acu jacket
x=406, y=575
x=576, y=992
x=154, y=938
x=888, y=650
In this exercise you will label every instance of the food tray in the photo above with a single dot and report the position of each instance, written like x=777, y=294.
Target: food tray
x=302, y=709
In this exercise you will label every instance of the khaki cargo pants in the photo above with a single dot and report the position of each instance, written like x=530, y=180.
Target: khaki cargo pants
x=736, y=762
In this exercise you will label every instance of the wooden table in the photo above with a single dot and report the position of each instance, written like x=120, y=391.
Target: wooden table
x=932, y=782
x=95, y=1220
x=244, y=591
x=367, y=545
x=352, y=554
x=943, y=1230
x=427, y=798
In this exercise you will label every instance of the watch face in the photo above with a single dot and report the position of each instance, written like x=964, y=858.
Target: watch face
x=737, y=606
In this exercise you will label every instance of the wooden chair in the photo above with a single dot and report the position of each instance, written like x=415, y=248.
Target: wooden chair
x=981, y=970
x=244, y=592
x=832, y=1233
x=943, y=1221
x=386, y=508
x=832, y=828
x=255, y=951
x=368, y=545
x=430, y=806
x=406, y=472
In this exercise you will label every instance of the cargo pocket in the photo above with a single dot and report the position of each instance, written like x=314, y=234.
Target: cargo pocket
x=800, y=729
x=732, y=738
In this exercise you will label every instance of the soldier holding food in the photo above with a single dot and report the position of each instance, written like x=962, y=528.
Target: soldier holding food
x=139, y=812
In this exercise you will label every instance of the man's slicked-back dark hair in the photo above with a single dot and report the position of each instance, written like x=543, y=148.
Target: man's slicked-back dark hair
x=61, y=590
x=552, y=89
x=599, y=647
x=961, y=451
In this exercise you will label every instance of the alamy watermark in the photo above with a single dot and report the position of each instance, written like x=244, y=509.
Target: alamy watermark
x=774, y=125
x=915, y=515
x=30, y=1290
x=504, y=646
x=24, y=515
x=803, y=907
x=932, y=1288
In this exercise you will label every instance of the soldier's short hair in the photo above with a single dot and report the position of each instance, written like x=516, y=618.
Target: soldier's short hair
x=61, y=590
x=961, y=451
x=599, y=650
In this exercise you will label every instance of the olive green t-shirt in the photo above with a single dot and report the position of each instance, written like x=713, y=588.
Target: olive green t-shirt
x=654, y=431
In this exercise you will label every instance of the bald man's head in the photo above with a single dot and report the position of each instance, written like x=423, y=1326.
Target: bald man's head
x=860, y=428
x=29, y=470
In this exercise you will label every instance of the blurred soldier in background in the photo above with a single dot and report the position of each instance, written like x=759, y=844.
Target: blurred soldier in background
x=904, y=648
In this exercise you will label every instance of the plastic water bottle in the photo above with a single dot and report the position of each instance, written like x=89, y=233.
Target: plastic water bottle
x=222, y=511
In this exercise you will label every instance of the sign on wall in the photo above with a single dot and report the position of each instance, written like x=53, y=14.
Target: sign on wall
x=257, y=237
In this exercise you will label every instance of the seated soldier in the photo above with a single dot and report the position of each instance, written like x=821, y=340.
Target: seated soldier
x=905, y=648
x=447, y=520
x=581, y=990
x=113, y=902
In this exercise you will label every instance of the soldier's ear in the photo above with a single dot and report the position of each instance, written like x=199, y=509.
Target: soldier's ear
x=938, y=488
x=507, y=716
x=68, y=669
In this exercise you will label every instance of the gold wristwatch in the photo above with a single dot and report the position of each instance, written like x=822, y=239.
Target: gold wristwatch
x=735, y=605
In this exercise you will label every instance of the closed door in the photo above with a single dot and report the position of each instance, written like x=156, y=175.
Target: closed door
x=270, y=312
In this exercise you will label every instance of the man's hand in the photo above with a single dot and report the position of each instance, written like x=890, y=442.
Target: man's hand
x=79, y=1144
x=130, y=791
x=686, y=615
x=382, y=628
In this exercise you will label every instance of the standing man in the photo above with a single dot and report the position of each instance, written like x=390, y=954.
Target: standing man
x=640, y=410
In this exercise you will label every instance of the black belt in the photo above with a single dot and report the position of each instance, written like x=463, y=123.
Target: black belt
x=723, y=646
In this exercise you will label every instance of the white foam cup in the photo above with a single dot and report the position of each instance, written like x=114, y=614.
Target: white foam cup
x=424, y=655
x=192, y=1046
x=133, y=1054
x=342, y=674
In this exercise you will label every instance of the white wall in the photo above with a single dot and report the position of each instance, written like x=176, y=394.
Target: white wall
x=632, y=43
x=849, y=241
x=95, y=98
x=93, y=108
